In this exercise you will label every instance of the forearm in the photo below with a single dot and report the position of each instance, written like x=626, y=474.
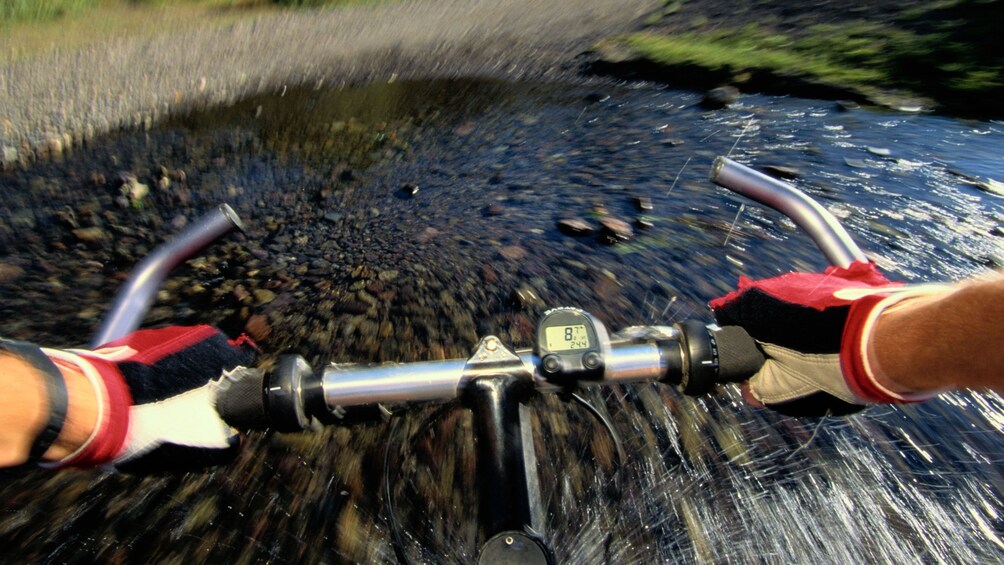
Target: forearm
x=953, y=341
x=24, y=411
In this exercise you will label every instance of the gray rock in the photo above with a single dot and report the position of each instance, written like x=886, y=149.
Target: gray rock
x=512, y=252
x=575, y=227
x=10, y=273
x=781, y=172
x=92, y=235
x=718, y=98
x=847, y=105
x=527, y=297
x=614, y=230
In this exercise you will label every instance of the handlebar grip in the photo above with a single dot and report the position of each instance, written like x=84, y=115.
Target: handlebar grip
x=739, y=357
x=241, y=399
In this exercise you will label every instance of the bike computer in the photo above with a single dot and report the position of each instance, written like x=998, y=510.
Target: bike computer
x=571, y=341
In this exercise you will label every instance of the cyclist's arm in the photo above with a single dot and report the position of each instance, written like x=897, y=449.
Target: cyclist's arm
x=24, y=411
x=951, y=341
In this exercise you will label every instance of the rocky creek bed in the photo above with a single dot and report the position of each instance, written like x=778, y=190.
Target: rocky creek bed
x=402, y=221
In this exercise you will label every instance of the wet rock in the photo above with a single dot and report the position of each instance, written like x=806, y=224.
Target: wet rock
x=10, y=273
x=465, y=129
x=526, y=297
x=643, y=223
x=492, y=210
x=781, y=172
x=130, y=187
x=333, y=217
x=92, y=236
x=643, y=203
x=55, y=146
x=575, y=227
x=351, y=306
x=846, y=105
x=512, y=252
x=613, y=230
x=388, y=276
x=427, y=235
x=880, y=151
x=258, y=327
x=241, y=294
x=991, y=186
x=263, y=296
x=594, y=97
x=671, y=142
x=855, y=163
x=721, y=97
x=8, y=157
x=408, y=190
x=488, y=274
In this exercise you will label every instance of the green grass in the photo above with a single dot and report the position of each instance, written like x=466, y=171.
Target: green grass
x=748, y=50
x=949, y=51
x=41, y=10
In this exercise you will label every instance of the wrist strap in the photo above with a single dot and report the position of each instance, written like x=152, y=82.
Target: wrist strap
x=55, y=388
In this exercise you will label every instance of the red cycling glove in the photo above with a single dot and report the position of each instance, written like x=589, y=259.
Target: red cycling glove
x=157, y=399
x=815, y=330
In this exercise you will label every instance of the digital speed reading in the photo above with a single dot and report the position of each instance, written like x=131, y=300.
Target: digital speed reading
x=571, y=344
x=566, y=338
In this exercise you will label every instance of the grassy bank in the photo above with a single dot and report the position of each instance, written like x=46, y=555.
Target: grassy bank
x=948, y=52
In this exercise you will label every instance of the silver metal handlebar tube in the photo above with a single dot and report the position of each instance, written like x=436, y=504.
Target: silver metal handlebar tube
x=394, y=383
x=391, y=383
x=137, y=293
x=831, y=237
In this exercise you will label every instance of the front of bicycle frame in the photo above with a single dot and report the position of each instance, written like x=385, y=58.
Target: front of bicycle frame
x=573, y=349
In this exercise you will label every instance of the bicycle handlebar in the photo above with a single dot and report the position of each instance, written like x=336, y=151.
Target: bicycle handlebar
x=690, y=354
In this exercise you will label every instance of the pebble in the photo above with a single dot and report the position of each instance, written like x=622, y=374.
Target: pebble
x=10, y=273
x=92, y=235
x=575, y=227
x=643, y=223
x=9, y=156
x=526, y=297
x=493, y=210
x=992, y=186
x=258, y=327
x=643, y=203
x=781, y=172
x=615, y=230
x=513, y=252
x=721, y=97
x=847, y=105
x=263, y=296
x=427, y=235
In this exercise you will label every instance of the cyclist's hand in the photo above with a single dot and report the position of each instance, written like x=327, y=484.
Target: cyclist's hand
x=157, y=399
x=815, y=329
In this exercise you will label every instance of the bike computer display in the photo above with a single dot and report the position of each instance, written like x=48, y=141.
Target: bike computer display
x=570, y=340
